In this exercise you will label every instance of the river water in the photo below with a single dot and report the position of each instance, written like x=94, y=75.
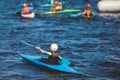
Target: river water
x=93, y=46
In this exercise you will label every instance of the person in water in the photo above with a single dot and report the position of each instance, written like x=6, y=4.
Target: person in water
x=88, y=11
x=54, y=56
x=57, y=6
x=26, y=10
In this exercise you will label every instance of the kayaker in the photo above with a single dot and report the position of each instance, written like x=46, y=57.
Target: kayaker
x=26, y=9
x=54, y=56
x=57, y=6
x=88, y=11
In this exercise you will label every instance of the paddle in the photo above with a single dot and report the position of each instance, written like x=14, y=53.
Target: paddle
x=77, y=14
x=27, y=43
x=63, y=60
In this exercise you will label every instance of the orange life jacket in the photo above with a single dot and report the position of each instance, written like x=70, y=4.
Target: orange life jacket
x=88, y=13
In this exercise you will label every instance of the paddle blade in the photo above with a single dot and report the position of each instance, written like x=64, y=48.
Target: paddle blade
x=74, y=15
x=27, y=43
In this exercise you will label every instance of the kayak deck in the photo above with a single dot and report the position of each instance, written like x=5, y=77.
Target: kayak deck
x=61, y=67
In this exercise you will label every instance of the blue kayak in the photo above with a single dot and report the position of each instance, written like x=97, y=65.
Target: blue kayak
x=61, y=67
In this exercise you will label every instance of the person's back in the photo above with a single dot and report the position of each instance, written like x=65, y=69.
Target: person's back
x=57, y=6
x=54, y=56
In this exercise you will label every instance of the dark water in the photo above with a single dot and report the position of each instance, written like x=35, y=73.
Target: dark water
x=93, y=46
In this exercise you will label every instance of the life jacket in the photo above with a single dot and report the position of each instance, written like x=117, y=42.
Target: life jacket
x=54, y=58
x=88, y=13
x=26, y=10
x=57, y=7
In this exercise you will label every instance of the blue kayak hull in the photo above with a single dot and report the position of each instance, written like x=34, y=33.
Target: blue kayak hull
x=61, y=67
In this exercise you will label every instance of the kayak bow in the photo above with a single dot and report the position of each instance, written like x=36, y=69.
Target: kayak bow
x=31, y=15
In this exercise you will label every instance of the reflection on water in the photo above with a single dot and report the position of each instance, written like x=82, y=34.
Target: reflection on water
x=93, y=46
x=25, y=21
x=109, y=14
x=52, y=75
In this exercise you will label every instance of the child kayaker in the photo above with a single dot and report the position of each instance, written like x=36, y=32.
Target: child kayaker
x=26, y=10
x=57, y=6
x=54, y=56
x=88, y=11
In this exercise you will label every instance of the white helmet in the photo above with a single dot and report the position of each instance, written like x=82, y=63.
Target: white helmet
x=53, y=47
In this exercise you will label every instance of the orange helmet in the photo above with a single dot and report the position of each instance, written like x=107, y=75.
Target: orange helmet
x=56, y=3
x=88, y=5
x=25, y=5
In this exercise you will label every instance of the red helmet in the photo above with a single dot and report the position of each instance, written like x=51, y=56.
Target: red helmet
x=88, y=5
x=25, y=5
x=56, y=3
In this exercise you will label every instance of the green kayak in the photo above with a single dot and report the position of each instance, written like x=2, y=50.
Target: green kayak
x=62, y=11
